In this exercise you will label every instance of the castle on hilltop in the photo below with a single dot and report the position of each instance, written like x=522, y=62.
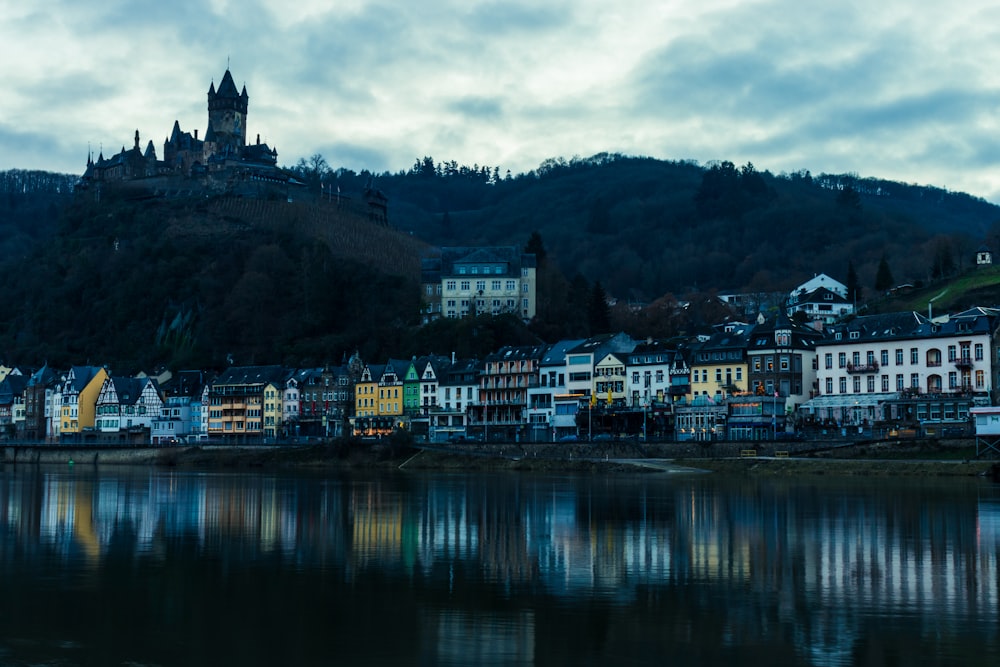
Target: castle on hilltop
x=221, y=162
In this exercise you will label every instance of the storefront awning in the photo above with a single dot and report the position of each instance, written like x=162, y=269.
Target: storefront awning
x=834, y=401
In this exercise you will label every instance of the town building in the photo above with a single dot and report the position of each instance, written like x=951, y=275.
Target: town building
x=126, y=408
x=906, y=369
x=451, y=412
x=236, y=402
x=464, y=282
x=503, y=391
x=820, y=299
x=719, y=363
x=552, y=408
x=78, y=394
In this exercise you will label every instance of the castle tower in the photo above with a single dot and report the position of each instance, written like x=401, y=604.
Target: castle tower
x=227, y=115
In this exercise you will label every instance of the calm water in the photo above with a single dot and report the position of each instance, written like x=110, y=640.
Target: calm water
x=150, y=567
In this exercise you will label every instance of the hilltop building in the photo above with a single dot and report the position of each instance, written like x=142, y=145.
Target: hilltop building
x=221, y=161
x=462, y=282
x=820, y=299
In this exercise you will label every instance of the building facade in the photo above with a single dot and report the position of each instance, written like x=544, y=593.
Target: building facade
x=464, y=282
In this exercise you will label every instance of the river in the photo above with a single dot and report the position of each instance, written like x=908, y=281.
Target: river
x=144, y=566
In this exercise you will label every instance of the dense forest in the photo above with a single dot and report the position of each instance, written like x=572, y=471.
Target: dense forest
x=205, y=282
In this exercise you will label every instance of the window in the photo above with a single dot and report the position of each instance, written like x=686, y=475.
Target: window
x=718, y=375
x=899, y=382
x=635, y=377
x=857, y=384
x=914, y=356
x=885, y=383
x=899, y=356
x=829, y=360
x=979, y=351
x=524, y=288
x=465, y=285
x=481, y=285
x=511, y=286
x=870, y=358
x=739, y=374
x=980, y=379
x=884, y=357
x=915, y=380
x=843, y=385
x=856, y=358
x=495, y=285
x=829, y=385
x=871, y=384
x=842, y=360
x=952, y=353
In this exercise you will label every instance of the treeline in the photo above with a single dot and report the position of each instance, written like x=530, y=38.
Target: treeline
x=647, y=228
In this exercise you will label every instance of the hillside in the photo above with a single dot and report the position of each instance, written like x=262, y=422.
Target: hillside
x=646, y=227
x=199, y=282
x=974, y=287
x=194, y=282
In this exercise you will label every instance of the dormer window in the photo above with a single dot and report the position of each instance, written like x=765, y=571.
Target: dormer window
x=855, y=335
x=837, y=336
x=828, y=297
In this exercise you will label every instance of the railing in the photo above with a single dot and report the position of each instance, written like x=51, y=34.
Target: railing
x=863, y=368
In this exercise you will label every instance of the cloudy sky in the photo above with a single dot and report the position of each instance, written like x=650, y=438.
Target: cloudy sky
x=903, y=90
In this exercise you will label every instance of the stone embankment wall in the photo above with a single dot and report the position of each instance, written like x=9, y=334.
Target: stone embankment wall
x=720, y=449
x=85, y=455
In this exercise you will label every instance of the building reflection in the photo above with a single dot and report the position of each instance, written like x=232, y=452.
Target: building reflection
x=817, y=562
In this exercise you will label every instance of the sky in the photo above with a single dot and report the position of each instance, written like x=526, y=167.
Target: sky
x=901, y=90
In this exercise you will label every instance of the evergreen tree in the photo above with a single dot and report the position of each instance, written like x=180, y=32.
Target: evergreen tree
x=883, y=277
x=598, y=311
x=536, y=247
x=853, y=284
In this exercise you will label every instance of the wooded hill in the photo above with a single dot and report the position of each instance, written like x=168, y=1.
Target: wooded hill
x=197, y=282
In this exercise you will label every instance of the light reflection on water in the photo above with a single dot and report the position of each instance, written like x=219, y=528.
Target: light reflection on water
x=146, y=566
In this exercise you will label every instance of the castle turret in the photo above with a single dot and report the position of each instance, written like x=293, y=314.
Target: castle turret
x=227, y=113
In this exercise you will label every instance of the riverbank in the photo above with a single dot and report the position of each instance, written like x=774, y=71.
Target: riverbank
x=936, y=458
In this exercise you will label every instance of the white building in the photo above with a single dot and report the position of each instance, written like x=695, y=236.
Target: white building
x=906, y=368
x=460, y=282
x=551, y=407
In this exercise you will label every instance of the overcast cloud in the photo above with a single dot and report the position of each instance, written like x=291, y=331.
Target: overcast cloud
x=898, y=90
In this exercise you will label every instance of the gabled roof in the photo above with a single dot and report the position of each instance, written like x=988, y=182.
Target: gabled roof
x=252, y=376
x=818, y=295
x=555, y=354
x=886, y=326
x=604, y=343
x=518, y=352
x=462, y=372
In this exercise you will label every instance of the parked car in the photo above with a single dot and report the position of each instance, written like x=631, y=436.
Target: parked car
x=602, y=437
x=568, y=438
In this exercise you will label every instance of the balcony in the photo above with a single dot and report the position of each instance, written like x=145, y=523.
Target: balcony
x=863, y=368
x=963, y=362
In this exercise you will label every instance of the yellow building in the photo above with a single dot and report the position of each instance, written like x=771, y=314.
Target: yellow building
x=609, y=381
x=719, y=365
x=80, y=390
x=272, y=409
x=378, y=401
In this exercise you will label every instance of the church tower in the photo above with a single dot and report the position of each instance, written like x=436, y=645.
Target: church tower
x=227, y=115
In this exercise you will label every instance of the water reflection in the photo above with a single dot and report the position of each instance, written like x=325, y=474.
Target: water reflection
x=495, y=569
